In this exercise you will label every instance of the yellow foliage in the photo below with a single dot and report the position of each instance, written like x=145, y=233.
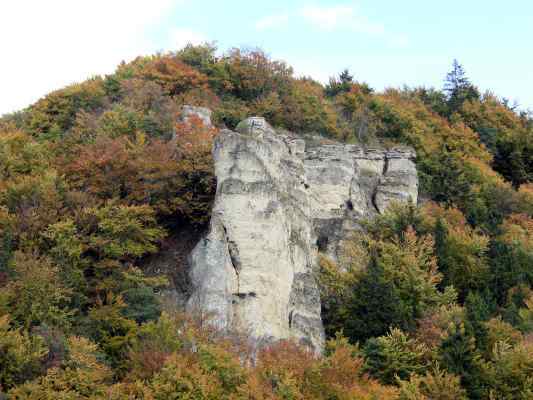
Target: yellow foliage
x=20, y=354
x=518, y=230
x=434, y=385
x=37, y=295
x=81, y=376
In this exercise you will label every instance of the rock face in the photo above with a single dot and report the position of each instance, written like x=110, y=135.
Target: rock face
x=348, y=183
x=278, y=201
x=200, y=112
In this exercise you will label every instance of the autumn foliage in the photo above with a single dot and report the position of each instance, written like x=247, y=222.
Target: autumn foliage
x=428, y=302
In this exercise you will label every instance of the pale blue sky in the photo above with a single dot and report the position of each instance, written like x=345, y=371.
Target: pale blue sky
x=48, y=44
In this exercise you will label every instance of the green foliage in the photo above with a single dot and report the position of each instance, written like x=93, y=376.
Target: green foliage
x=112, y=329
x=510, y=371
x=35, y=295
x=500, y=331
x=306, y=110
x=458, y=88
x=55, y=113
x=6, y=240
x=373, y=306
x=92, y=177
x=119, y=121
x=121, y=232
x=80, y=376
x=395, y=356
x=459, y=355
x=478, y=311
x=436, y=384
x=341, y=85
x=143, y=304
x=505, y=133
x=398, y=284
x=512, y=255
x=20, y=354
x=526, y=316
x=461, y=251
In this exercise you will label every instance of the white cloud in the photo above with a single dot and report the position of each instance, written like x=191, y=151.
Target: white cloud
x=181, y=37
x=272, y=21
x=340, y=17
x=48, y=44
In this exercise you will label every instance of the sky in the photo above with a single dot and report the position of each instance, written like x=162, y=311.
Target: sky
x=48, y=44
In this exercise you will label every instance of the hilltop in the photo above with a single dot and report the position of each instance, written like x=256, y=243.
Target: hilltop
x=101, y=178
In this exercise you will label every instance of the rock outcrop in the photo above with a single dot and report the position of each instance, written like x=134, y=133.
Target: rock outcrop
x=199, y=112
x=278, y=201
x=348, y=183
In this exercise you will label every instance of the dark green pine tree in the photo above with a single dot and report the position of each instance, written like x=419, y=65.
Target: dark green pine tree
x=458, y=88
x=450, y=185
x=374, y=307
x=459, y=355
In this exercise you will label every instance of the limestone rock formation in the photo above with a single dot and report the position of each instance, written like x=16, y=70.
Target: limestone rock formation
x=278, y=201
x=201, y=112
x=348, y=183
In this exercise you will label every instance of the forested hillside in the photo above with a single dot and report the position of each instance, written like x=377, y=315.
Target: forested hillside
x=433, y=301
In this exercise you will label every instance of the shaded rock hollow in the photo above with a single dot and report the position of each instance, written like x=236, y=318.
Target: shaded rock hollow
x=279, y=200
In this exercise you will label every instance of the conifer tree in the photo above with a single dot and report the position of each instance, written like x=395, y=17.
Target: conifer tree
x=458, y=88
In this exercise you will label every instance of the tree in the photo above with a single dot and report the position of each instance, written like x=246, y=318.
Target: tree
x=395, y=356
x=460, y=356
x=398, y=284
x=512, y=256
x=6, y=242
x=373, y=305
x=20, y=354
x=436, y=384
x=458, y=88
x=55, y=113
x=342, y=84
x=460, y=250
x=36, y=294
x=509, y=371
x=81, y=375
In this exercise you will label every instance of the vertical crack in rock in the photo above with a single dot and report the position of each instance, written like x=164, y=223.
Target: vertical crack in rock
x=278, y=199
x=233, y=252
x=290, y=318
x=385, y=166
x=381, y=179
x=374, y=198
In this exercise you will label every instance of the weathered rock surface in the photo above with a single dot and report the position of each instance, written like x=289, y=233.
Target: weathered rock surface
x=348, y=183
x=200, y=112
x=278, y=201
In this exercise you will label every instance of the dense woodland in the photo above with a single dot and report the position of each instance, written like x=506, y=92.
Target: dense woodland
x=432, y=302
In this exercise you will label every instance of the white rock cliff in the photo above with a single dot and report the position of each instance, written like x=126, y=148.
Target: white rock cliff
x=279, y=200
